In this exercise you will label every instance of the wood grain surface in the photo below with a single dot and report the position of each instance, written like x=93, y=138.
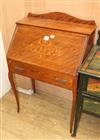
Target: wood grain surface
x=60, y=25
x=64, y=53
x=55, y=61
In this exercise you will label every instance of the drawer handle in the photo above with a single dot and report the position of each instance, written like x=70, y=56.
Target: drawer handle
x=19, y=68
x=62, y=81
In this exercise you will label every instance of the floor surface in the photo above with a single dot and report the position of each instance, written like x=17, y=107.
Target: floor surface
x=42, y=117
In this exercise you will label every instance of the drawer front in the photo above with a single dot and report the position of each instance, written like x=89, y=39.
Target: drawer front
x=41, y=74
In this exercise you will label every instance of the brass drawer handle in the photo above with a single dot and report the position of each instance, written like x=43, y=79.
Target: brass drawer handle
x=19, y=69
x=62, y=81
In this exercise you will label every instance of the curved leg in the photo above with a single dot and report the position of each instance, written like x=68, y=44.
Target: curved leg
x=33, y=85
x=74, y=90
x=10, y=75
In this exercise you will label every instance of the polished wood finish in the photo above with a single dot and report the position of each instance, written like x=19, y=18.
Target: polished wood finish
x=11, y=79
x=59, y=25
x=62, y=17
x=79, y=25
x=55, y=61
x=64, y=22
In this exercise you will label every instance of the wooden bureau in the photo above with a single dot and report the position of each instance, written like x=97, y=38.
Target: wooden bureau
x=55, y=61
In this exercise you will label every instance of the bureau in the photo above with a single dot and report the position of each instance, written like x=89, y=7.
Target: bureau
x=50, y=47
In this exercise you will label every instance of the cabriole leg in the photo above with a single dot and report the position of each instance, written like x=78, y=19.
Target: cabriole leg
x=11, y=79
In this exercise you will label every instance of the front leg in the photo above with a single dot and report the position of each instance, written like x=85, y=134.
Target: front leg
x=74, y=92
x=11, y=79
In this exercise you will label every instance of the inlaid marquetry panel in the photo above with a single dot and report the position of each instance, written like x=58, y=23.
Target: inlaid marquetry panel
x=61, y=53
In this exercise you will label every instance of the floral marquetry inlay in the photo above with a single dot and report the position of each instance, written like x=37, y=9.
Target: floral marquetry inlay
x=46, y=48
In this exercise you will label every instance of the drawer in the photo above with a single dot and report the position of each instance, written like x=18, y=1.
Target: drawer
x=41, y=74
x=55, y=79
x=23, y=69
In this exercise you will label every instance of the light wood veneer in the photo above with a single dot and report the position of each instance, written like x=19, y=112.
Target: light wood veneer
x=55, y=61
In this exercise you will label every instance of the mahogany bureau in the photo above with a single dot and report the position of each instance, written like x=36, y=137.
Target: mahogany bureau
x=50, y=47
